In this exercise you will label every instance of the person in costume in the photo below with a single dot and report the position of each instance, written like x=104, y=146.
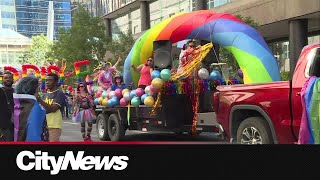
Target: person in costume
x=105, y=76
x=145, y=70
x=29, y=117
x=117, y=83
x=84, y=112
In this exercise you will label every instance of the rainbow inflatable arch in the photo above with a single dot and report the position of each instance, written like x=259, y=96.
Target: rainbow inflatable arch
x=246, y=44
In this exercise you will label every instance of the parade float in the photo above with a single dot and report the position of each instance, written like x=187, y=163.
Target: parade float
x=183, y=101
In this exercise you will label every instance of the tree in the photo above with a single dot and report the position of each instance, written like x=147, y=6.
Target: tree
x=226, y=56
x=38, y=53
x=120, y=46
x=85, y=40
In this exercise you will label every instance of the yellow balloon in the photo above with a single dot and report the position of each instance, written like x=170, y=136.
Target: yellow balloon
x=157, y=83
x=149, y=101
x=105, y=102
x=124, y=91
x=100, y=100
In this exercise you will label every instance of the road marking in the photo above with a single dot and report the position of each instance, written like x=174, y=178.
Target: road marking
x=70, y=123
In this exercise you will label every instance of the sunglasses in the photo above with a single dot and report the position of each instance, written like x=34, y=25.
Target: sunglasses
x=81, y=86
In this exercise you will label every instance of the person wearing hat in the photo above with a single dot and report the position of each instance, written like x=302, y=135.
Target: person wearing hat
x=105, y=77
x=117, y=83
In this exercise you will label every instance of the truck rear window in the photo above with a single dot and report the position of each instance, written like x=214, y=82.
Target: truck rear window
x=313, y=68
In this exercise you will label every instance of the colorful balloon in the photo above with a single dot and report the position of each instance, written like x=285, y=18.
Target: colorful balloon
x=133, y=94
x=118, y=93
x=112, y=94
x=123, y=102
x=226, y=30
x=115, y=101
x=153, y=90
x=215, y=75
x=203, y=73
x=99, y=93
x=104, y=94
x=147, y=90
x=100, y=100
x=155, y=74
x=139, y=92
x=135, y=101
x=143, y=97
x=110, y=103
x=165, y=74
x=149, y=101
x=96, y=101
x=105, y=102
x=126, y=96
x=157, y=83
x=124, y=91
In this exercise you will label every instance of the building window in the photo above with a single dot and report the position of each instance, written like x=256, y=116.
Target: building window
x=135, y=29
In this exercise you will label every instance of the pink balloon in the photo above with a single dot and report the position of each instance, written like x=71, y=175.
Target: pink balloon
x=99, y=93
x=118, y=93
x=139, y=92
x=154, y=90
x=123, y=102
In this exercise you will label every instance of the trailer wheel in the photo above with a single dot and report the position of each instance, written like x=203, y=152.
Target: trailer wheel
x=101, y=125
x=116, y=130
x=254, y=130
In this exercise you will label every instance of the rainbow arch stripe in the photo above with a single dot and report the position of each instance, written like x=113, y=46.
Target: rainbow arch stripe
x=246, y=44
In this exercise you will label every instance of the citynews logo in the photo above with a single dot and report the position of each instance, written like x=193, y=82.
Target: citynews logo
x=42, y=161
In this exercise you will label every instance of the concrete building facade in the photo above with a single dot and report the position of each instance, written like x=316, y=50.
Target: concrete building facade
x=12, y=46
x=286, y=25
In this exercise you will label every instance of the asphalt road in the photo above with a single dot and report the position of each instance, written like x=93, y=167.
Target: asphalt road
x=71, y=133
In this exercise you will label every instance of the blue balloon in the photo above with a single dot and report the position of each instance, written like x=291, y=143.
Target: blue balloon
x=110, y=103
x=96, y=101
x=215, y=75
x=143, y=97
x=155, y=74
x=133, y=94
x=115, y=101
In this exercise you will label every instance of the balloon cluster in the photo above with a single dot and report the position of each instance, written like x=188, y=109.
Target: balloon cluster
x=123, y=97
x=134, y=97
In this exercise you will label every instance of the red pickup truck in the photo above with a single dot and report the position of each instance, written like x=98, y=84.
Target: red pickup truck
x=266, y=113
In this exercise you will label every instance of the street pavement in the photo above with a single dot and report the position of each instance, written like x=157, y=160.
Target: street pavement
x=71, y=133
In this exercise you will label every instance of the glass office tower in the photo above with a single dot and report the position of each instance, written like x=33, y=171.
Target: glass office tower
x=32, y=16
x=8, y=15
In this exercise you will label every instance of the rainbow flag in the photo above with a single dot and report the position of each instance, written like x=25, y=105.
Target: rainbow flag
x=310, y=121
x=29, y=119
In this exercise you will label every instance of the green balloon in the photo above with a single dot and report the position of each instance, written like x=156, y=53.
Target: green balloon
x=165, y=74
x=104, y=94
x=135, y=101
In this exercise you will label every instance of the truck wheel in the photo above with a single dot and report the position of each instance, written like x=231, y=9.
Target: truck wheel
x=116, y=130
x=101, y=125
x=254, y=130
